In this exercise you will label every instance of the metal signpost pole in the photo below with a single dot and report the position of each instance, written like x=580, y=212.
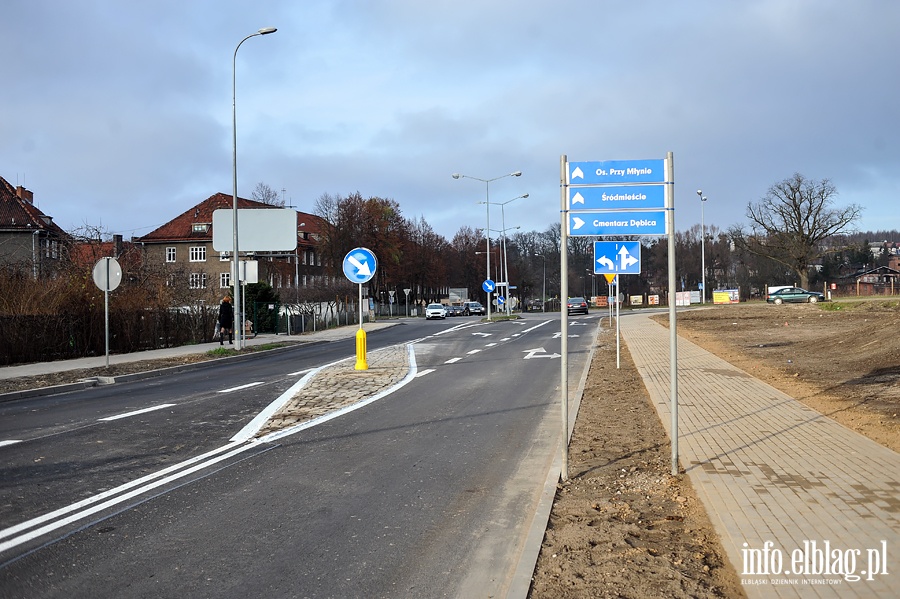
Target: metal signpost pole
x=673, y=334
x=564, y=317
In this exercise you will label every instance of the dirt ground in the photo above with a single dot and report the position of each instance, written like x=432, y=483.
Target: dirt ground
x=622, y=526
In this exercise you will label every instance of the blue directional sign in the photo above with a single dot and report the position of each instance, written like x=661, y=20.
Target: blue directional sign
x=617, y=257
x=501, y=300
x=488, y=285
x=617, y=171
x=635, y=222
x=360, y=265
x=618, y=197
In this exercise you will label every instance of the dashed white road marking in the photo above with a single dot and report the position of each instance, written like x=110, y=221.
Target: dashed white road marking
x=424, y=372
x=136, y=412
x=239, y=387
x=452, y=360
x=10, y=442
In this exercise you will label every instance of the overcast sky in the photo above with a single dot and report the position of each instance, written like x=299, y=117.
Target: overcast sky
x=119, y=114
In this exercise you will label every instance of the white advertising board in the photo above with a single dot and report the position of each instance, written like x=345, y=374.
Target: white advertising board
x=259, y=230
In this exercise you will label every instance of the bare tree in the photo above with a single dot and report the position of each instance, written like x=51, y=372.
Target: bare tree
x=790, y=224
x=265, y=194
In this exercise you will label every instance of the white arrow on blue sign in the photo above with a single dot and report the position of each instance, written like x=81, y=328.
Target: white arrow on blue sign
x=650, y=222
x=360, y=265
x=488, y=285
x=617, y=257
x=617, y=197
x=617, y=171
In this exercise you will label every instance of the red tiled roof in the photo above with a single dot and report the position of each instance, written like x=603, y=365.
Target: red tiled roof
x=181, y=228
x=18, y=214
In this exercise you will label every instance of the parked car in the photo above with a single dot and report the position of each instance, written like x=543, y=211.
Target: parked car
x=473, y=308
x=577, y=305
x=435, y=311
x=794, y=295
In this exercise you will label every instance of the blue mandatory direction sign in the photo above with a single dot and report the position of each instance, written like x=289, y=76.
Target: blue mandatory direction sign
x=488, y=285
x=617, y=197
x=635, y=222
x=617, y=257
x=612, y=172
x=360, y=265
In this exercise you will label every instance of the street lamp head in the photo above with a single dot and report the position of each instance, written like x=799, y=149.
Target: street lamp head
x=456, y=175
x=699, y=192
x=525, y=196
x=266, y=30
x=517, y=174
x=702, y=198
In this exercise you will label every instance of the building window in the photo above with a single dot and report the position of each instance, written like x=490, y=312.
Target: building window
x=225, y=280
x=170, y=254
x=201, y=228
x=198, y=253
x=198, y=280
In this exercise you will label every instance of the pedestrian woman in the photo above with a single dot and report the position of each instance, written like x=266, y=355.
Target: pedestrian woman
x=226, y=321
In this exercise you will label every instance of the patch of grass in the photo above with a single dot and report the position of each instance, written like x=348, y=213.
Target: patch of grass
x=221, y=352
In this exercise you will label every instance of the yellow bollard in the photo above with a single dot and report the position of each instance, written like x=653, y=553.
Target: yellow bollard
x=361, y=363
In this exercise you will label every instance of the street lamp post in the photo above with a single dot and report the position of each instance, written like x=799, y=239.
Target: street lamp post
x=487, y=186
x=504, y=270
x=505, y=263
x=544, y=291
x=238, y=313
x=702, y=248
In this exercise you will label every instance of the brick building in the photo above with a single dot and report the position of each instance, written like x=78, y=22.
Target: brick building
x=183, y=247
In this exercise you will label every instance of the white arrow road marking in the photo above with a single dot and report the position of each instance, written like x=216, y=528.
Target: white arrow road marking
x=483, y=334
x=533, y=353
x=558, y=335
x=136, y=412
x=362, y=267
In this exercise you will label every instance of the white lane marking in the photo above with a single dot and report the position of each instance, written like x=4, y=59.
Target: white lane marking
x=505, y=339
x=490, y=344
x=480, y=334
x=452, y=360
x=136, y=412
x=424, y=372
x=474, y=351
x=10, y=442
x=528, y=330
x=299, y=372
x=144, y=480
x=238, y=388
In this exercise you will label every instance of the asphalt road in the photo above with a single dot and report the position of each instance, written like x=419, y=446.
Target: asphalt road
x=424, y=493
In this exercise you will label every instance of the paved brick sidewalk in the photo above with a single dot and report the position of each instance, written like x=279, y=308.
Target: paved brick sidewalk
x=778, y=479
